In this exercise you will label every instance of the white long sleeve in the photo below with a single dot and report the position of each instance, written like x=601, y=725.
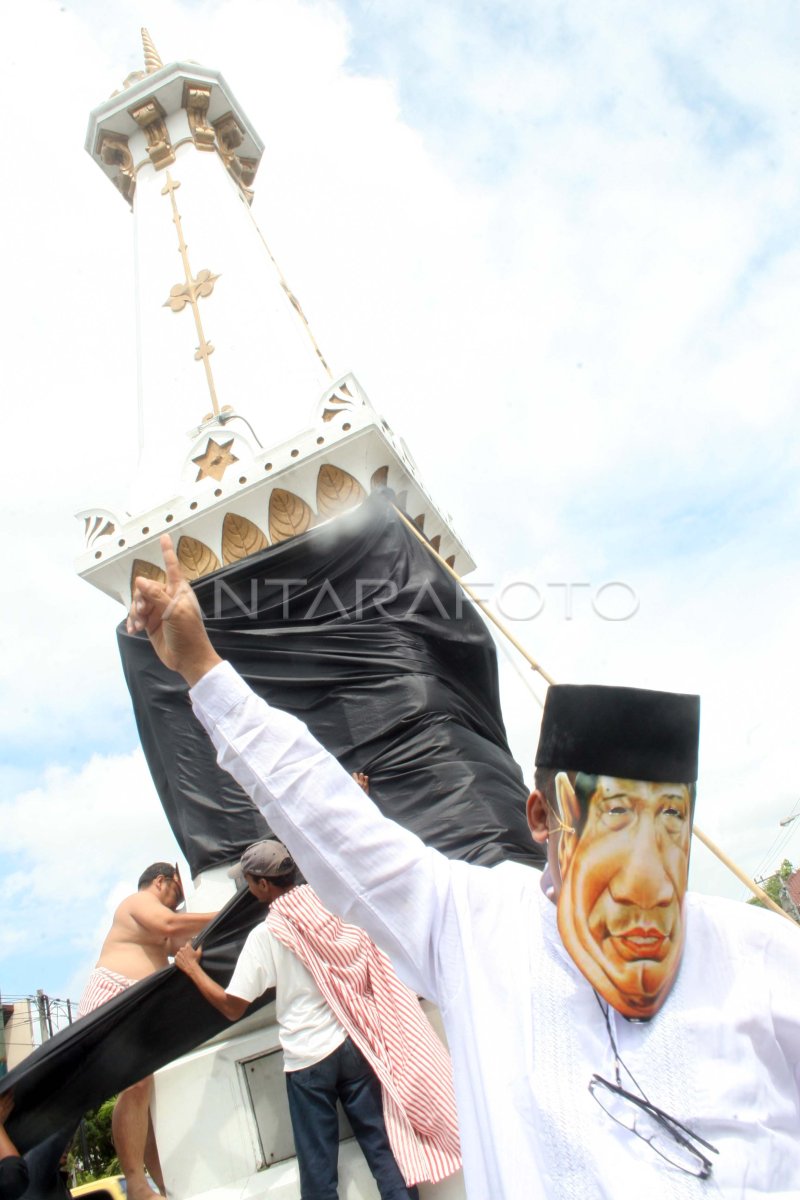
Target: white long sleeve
x=363, y=866
x=524, y=1029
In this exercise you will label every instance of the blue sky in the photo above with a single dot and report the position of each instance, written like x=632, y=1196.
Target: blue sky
x=558, y=244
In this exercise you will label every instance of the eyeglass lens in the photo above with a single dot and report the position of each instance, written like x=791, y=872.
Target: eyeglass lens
x=652, y=1129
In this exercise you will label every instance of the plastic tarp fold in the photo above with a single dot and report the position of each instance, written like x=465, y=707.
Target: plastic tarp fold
x=356, y=629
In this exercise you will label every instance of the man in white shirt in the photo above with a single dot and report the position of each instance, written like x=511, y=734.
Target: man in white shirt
x=559, y=1094
x=300, y=949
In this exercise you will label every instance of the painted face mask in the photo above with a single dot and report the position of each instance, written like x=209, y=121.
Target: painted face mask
x=625, y=834
x=624, y=872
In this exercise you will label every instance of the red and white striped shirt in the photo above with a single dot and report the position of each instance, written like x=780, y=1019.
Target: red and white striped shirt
x=384, y=1019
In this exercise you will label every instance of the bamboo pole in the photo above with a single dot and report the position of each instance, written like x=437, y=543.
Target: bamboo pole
x=741, y=875
x=474, y=597
x=757, y=891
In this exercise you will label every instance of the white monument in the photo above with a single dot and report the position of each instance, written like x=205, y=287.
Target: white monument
x=246, y=437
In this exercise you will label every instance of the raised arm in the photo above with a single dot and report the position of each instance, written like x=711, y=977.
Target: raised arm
x=160, y=921
x=171, y=616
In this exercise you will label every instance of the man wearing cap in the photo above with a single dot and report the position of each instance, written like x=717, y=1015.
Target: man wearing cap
x=347, y=1026
x=145, y=930
x=611, y=1035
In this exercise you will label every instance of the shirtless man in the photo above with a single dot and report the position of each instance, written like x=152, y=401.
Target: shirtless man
x=145, y=930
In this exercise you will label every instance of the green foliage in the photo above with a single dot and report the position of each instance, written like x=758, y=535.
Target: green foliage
x=775, y=887
x=92, y=1154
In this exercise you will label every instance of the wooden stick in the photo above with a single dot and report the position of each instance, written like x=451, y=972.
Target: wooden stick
x=707, y=842
x=473, y=595
x=741, y=876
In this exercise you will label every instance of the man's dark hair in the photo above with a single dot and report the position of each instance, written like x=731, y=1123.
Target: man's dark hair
x=281, y=881
x=153, y=871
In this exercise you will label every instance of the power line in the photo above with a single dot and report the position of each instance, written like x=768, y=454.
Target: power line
x=779, y=843
x=46, y=1016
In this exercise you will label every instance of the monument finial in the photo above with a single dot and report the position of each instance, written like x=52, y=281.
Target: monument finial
x=152, y=59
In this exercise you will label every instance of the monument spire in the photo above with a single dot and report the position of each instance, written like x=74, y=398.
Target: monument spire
x=268, y=442
x=152, y=59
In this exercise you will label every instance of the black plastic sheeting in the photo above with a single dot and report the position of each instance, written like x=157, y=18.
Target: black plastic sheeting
x=142, y=1029
x=356, y=629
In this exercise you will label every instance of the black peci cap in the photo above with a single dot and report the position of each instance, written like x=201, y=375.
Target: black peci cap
x=629, y=733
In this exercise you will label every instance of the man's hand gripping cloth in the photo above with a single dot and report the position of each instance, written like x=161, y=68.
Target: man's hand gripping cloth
x=384, y=1019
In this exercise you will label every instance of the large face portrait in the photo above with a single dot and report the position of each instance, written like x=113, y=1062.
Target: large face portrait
x=624, y=863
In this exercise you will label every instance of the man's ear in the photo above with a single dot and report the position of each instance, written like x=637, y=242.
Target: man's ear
x=536, y=812
x=569, y=811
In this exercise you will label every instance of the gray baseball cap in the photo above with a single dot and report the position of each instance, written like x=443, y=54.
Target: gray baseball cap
x=268, y=859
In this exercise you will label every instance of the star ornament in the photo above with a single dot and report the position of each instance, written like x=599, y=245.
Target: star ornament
x=215, y=460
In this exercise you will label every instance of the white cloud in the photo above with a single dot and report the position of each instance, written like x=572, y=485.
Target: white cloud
x=78, y=843
x=67, y=820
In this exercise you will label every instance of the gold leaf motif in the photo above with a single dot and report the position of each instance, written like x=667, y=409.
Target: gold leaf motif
x=420, y=522
x=181, y=294
x=379, y=478
x=204, y=282
x=337, y=491
x=195, y=558
x=288, y=515
x=451, y=560
x=147, y=571
x=179, y=297
x=240, y=538
x=436, y=542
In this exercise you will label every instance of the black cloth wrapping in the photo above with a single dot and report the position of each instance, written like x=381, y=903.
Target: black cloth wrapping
x=140, y=1030
x=13, y=1177
x=356, y=629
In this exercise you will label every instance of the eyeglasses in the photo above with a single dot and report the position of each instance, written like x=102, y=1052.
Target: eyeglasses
x=677, y=1144
x=668, y=1137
